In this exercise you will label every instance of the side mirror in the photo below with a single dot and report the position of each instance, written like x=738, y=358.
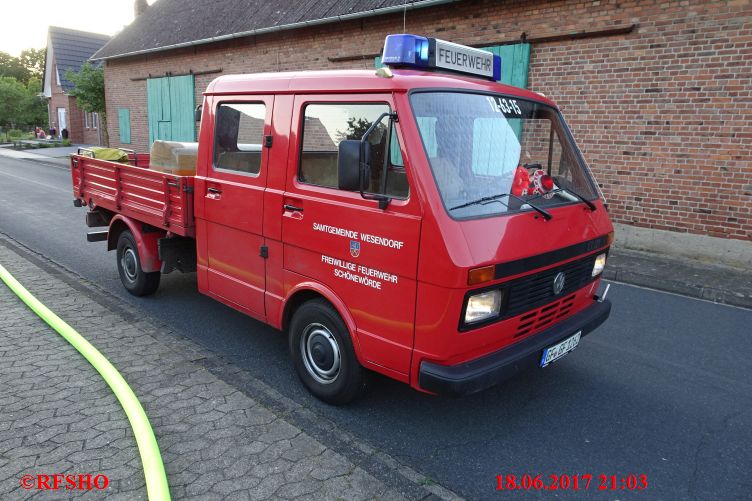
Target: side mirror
x=348, y=165
x=197, y=113
x=354, y=164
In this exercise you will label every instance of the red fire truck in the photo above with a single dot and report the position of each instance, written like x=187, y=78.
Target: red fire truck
x=420, y=221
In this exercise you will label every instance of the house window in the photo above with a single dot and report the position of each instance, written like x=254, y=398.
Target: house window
x=95, y=120
x=87, y=124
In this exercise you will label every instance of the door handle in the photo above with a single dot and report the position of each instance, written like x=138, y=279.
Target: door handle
x=293, y=208
x=214, y=190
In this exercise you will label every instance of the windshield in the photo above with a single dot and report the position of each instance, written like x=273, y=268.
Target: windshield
x=490, y=154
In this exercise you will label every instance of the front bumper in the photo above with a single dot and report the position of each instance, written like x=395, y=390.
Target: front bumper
x=489, y=370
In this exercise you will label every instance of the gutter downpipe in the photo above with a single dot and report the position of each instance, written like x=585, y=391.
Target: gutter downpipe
x=302, y=24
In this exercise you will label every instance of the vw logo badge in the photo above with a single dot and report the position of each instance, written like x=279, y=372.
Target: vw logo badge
x=559, y=280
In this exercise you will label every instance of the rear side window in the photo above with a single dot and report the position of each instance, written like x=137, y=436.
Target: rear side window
x=326, y=125
x=238, y=135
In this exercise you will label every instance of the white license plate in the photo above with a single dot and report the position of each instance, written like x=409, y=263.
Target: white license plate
x=558, y=350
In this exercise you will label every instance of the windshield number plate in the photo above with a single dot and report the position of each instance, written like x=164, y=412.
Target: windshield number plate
x=503, y=105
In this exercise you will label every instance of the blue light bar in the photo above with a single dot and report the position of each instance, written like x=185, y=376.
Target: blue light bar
x=428, y=53
x=405, y=50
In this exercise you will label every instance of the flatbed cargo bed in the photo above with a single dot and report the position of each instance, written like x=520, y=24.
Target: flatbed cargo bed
x=156, y=198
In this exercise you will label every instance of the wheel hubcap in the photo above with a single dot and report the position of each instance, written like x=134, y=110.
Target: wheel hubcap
x=129, y=264
x=320, y=353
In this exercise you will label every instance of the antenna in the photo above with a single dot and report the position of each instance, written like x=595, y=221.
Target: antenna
x=404, y=16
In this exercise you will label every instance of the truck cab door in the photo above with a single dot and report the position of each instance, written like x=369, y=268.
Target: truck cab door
x=365, y=255
x=229, y=222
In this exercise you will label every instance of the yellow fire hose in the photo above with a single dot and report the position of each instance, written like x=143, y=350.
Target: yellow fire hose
x=154, y=472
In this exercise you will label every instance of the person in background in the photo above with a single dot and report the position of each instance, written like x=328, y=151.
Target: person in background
x=64, y=133
x=53, y=131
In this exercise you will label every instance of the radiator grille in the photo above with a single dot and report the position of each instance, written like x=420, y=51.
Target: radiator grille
x=536, y=290
x=542, y=317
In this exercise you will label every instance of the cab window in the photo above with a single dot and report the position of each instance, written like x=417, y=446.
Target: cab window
x=326, y=125
x=238, y=135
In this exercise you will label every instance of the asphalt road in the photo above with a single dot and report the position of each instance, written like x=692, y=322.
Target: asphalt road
x=664, y=388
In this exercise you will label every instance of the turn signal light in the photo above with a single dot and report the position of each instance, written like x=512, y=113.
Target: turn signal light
x=610, y=238
x=480, y=275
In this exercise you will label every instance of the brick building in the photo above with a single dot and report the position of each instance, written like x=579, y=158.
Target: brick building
x=68, y=50
x=657, y=93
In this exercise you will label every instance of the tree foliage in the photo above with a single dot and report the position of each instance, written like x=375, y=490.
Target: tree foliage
x=12, y=94
x=35, y=106
x=357, y=127
x=21, y=105
x=88, y=88
x=20, y=85
x=89, y=92
x=33, y=61
x=13, y=67
x=30, y=64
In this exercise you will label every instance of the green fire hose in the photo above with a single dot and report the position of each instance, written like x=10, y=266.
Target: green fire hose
x=154, y=472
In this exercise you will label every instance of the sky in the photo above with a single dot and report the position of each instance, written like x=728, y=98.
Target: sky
x=24, y=23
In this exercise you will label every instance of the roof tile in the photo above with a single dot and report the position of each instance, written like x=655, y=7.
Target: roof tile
x=169, y=23
x=72, y=48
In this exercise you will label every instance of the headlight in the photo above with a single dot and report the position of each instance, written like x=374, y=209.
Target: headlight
x=600, y=263
x=482, y=306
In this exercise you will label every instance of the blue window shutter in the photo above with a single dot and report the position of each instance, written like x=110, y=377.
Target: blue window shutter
x=124, y=121
x=153, y=106
x=164, y=125
x=515, y=60
x=170, y=104
x=182, y=103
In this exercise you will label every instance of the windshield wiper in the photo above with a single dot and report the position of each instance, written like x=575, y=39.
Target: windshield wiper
x=573, y=193
x=546, y=215
x=492, y=198
x=584, y=200
x=495, y=198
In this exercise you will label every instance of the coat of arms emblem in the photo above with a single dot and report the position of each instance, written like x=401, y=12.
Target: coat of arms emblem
x=354, y=248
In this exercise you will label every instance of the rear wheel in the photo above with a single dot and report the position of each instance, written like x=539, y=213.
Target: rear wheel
x=134, y=278
x=323, y=355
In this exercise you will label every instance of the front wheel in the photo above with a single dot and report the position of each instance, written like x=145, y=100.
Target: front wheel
x=323, y=355
x=134, y=278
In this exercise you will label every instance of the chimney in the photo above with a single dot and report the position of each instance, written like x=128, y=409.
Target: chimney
x=139, y=7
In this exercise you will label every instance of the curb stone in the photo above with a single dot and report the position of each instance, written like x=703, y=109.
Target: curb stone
x=715, y=283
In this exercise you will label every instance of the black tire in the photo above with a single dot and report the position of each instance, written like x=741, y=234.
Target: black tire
x=134, y=278
x=316, y=334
